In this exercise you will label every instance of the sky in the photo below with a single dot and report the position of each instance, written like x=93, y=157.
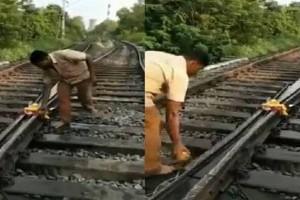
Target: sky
x=90, y=9
x=287, y=1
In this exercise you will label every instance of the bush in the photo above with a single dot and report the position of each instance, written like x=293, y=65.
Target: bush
x=262, y=46
x=51, y=44
x=21, y=50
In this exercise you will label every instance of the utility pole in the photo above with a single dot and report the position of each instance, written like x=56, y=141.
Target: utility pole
x=108, y=10
x=63, y=19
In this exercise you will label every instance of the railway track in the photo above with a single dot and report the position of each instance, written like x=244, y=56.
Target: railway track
x=222, y=107
x=272, y=170
x=98, y=157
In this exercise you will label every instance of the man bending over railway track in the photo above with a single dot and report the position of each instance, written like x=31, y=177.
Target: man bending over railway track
x=167, y=75
x=70, y=69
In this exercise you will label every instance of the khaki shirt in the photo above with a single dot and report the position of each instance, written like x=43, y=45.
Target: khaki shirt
x=70, y=66
x=166, y=74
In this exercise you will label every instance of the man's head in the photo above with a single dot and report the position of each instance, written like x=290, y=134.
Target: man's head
x=41, y=59
x=197, y=58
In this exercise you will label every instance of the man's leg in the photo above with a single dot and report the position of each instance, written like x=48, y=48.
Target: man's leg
x=153, y=141
x=64, y=92
x=84, y=89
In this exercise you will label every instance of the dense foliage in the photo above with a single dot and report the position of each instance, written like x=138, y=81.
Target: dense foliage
x=130, y=25
x=226, y=27
x=24, y=27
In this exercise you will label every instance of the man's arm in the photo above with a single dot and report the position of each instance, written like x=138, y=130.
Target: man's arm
x=75, y=56
x=91, y=67
x=176, y=96
x=177, y=88
x=49, y=81
x=46, y=93
x=173, y=121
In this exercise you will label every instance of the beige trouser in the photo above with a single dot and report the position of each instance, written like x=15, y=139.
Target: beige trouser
x=84, y=94
x=152, y=135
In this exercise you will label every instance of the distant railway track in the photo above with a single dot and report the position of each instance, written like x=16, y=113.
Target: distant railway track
x=222, y=108
x=97, y=158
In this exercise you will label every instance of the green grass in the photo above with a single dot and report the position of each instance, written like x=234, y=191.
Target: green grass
x=263, y=46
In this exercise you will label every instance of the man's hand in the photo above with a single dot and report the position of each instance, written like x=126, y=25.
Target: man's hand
x=181, y=153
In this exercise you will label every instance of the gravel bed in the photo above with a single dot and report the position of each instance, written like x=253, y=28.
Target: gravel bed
x=285, y=196
x=137, y=137
x=237, y=193
x=284, y=147
x=20, y=98
x=221, y=107
x=284, y=168
x=77, y=178
x=117, y=105
x=210, y=98
x=213, y=136
x=3, y=126
x=292, y=127
x=11, y=115
x=276, y=169
x=96, y=133
x=117, y=116
x=39, y=197
x=246, y=101
x=208, y=105
x=83, y=153
x=297, y=114
x=192, y=116
x=19, y=106
x=215, y=91
x=219, y=99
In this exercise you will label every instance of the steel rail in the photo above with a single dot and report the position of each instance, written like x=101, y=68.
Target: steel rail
x=139, y=54
x=168, y=193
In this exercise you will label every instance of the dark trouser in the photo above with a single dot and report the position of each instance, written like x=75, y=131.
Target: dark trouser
x=84, y=89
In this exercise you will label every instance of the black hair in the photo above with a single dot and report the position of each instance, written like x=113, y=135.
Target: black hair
x=198, y=52
x=38, y=56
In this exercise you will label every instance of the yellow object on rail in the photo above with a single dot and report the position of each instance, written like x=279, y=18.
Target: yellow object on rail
x=275, y=105
x=34, y=110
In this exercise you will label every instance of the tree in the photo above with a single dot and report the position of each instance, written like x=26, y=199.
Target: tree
x=9, y=21
x=130, y=26
x=132, y=19
x=176, y=25
x=24, y=27
x=105, y=30
x=75, y=28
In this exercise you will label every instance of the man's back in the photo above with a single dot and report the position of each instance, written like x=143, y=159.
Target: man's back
x=70, y=65
x=166, y=69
